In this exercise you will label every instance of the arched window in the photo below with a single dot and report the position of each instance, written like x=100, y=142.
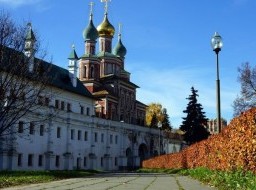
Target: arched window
x=92, y=72
x=85, y=72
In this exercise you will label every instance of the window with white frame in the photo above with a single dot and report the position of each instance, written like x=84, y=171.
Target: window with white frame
x=68, y=107
x=82, y=110
x=79, y=135
x=31, y=128
x=111, y=139
x=85, y=136
x=85, y=161
x=30, y=159
x=57, y=161
x=21, y=127
x=41, y=130
x=40, y=160
x=19, y=159
x=116, y=161
x=116, y=139
x=72, y=133
x=58, y=132
x=101, y=161
x=95, y=137
x=62, y=105
x=57, y=104
x=88, y=111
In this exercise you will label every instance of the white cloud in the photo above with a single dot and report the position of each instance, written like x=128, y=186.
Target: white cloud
x=172, y=86
x=17, y=3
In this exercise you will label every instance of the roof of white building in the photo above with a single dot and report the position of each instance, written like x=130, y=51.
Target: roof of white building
x=56, y=76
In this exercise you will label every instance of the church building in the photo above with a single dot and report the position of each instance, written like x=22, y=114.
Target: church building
x=103, y=74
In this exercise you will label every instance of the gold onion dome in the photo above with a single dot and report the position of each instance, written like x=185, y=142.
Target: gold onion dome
x=106, y=29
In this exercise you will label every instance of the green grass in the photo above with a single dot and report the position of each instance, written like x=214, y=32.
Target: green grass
x=13, y=178
x=233, y=180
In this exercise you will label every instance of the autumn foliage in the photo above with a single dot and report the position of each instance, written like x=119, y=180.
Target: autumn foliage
x=234, y=148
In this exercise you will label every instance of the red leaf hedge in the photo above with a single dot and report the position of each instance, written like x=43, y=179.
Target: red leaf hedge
x=234, y=148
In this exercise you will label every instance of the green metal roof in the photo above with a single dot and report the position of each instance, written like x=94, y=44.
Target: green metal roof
x=90, y=33
x=56, y=76
x=87, y=55
x=106, y=54
x=125, y=72
x=30, y=34
x=60, y=78
x=73, y=55
x=120, y=49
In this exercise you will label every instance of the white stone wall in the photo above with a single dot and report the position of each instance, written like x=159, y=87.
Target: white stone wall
x=106, y=147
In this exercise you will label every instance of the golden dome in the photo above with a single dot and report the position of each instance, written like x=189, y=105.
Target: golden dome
x=106, y=29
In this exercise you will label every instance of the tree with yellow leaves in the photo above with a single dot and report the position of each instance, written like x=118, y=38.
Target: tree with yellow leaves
x=155, y=114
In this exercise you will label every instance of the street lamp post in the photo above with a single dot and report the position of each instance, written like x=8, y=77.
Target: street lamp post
x=159, y=125
x=217, y=44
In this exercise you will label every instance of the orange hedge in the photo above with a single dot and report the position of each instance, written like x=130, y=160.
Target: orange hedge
x=233, y=148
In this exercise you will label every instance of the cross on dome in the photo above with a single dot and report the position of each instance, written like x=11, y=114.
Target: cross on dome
x=119, y=28
x=91, y=4
x=106, y=5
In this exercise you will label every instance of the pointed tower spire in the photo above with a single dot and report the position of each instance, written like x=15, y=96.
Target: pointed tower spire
x=73, y=55
x=29, y=46
x=30, y=34
x=72, y=66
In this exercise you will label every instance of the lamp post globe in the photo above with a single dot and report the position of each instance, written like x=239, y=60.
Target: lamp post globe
x=217, y=44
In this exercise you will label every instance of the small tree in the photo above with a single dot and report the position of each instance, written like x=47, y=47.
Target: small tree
x=194, y=123
x=154, y=121
x=155, y=114
x=23, y=78
x=166, y=122
x=247, y=97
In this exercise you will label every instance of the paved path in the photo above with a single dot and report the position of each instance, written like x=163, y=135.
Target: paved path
x=122, y=181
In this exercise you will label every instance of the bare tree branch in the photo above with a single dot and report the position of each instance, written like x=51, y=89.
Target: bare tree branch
x=22, y=91
x=247, y=97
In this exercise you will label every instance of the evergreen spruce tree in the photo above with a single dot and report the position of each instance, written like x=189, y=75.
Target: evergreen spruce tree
x=166, y=122
x=194, y=123
x=153, y=123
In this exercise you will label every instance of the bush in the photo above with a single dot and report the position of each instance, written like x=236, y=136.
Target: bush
x=233, y=149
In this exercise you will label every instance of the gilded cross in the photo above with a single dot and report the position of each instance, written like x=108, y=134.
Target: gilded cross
x=106, y=5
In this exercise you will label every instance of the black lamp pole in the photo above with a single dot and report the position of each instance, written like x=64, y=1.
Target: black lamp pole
x=217, y=44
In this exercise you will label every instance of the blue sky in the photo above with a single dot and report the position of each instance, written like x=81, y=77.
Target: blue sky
x=168, y=43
